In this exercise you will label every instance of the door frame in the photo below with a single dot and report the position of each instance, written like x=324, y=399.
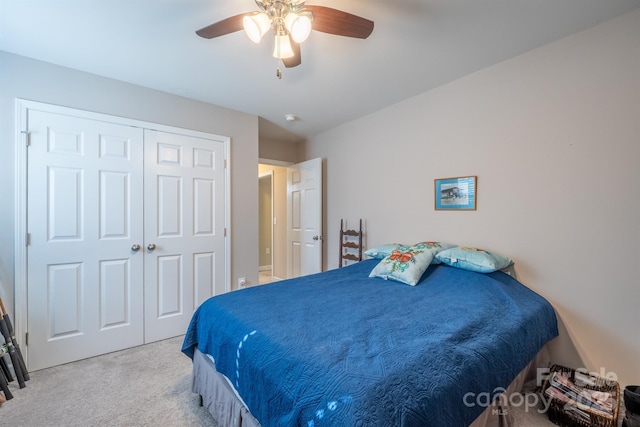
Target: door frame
x=281, y=254
x=262, y=176
x=22, y=107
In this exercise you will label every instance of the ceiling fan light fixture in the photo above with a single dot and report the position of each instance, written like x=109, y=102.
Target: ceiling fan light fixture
x=282, y=48
x=256, y=26
x=291, y=22
x=298, y=25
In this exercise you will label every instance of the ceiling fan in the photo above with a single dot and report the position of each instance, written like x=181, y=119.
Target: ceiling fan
x=291, y=21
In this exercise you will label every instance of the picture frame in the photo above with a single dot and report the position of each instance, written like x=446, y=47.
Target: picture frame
x=457, y=193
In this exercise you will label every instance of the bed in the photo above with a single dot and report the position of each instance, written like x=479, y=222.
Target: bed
x=340, y=348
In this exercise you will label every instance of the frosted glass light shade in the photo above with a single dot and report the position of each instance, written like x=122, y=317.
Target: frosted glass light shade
x=256, y=26
x=282, y=48
x=299, y=26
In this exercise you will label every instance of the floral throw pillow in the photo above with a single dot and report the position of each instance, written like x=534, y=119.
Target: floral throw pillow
x=404, y=265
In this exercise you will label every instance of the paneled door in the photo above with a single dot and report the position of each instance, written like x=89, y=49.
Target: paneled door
x=184, y=229
x=304, y=218
x=85, y=217
x=125, y=233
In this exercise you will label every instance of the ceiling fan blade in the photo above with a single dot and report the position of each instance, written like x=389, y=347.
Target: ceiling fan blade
x=220, y=28
x=296, y=59
x=333, y=21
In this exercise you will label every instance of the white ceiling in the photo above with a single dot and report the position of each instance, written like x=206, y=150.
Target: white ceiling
x=416, y=45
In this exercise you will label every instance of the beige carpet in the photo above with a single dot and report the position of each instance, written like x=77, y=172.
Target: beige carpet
x=148, y=385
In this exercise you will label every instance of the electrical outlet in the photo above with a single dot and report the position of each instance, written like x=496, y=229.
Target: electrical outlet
x=242, y=282
x=267, y=251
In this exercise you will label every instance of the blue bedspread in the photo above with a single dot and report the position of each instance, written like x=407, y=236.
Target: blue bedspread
x=342, y=349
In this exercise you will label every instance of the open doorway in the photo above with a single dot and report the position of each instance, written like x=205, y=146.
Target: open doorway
x=296, y=230
x=265, y=227
x=272, y=222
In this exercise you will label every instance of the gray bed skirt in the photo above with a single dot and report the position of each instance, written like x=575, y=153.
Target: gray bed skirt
x=218, y=395
x=221, y=400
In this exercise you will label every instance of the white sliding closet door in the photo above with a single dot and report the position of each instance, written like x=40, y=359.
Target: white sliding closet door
x=184, y=229
x=85, y=288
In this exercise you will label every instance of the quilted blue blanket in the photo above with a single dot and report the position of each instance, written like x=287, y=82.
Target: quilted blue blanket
x=342, y=349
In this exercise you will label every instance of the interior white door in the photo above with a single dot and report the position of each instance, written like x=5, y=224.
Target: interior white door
x=304, y=218
x=85, y=214
x=184, y=229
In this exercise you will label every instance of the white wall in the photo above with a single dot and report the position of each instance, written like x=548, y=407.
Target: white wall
x=554, y=138
x=38, y=81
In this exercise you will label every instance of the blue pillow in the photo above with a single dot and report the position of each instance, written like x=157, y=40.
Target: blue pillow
x=380, y=252
x=435, y=248
x=404, y=265
x=473, y=259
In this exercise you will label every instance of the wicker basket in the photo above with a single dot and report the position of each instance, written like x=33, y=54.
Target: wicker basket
x=557, y=413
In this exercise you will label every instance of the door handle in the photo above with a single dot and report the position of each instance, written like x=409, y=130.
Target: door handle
x=151, y=247
x=317, y=237
x=135, y=248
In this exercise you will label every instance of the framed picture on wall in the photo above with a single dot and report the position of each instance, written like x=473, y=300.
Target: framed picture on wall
x=458, y=193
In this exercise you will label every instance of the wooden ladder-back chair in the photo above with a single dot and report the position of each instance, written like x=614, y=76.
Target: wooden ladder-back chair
x=350, y=244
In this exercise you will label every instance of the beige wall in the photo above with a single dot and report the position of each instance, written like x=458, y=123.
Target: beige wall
x=280, y=150
x=38, y=81
x=554, y=138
